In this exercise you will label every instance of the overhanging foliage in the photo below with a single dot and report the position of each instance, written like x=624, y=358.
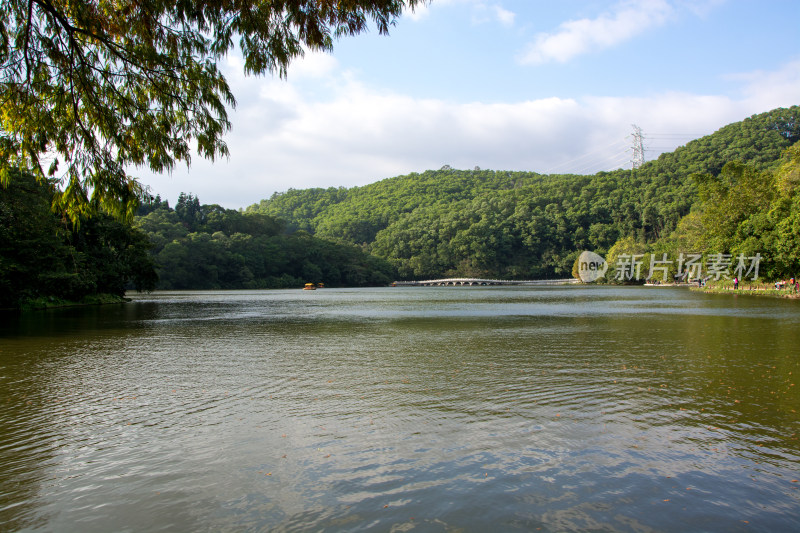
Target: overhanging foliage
x=91, y=87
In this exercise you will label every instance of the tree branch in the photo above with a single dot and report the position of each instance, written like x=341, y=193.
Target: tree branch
x=28, y=23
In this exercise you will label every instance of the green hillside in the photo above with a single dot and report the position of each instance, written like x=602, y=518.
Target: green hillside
x=200, y=246
x=523, y=224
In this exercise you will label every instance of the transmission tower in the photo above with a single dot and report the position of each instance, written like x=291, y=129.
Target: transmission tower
x=638, y=147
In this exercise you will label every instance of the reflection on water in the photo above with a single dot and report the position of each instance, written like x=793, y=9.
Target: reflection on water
x=435, y=409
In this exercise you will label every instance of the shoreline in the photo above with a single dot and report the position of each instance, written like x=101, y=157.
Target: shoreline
x=44, y=303
x=786, y=294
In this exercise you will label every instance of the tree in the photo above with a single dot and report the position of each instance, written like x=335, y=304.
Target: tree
x=43, y=255
x=91, y=87
x=189, y=210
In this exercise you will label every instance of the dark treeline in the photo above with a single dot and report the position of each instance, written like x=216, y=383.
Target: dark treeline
x=199, y=246
x=527, y=225
x=47, y=257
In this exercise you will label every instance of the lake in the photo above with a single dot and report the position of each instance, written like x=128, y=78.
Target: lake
x=555, y=408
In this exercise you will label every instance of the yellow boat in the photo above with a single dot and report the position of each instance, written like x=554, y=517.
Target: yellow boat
x=310, y=287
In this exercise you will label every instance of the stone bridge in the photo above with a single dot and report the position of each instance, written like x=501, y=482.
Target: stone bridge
x=478, y=281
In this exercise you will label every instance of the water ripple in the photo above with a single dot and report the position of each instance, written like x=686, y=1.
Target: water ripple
x=559, y=409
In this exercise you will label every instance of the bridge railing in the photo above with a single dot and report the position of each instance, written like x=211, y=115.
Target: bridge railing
x=479, y=281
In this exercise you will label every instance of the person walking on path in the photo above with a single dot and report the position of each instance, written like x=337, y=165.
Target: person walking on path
x=735, y=282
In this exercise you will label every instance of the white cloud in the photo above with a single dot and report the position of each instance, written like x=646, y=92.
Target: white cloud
x=576, y=37
x=700, y=8
x=418, y=13
x=772, y=89
x=481, y=11
x=423, y=10
x=484, y=12
x=313, y=65
x=505, y=16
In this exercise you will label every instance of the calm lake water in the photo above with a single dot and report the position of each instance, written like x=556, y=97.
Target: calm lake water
x=400, y=409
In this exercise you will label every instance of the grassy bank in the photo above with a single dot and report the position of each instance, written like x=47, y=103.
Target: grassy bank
x=51, y=302
x=747, y=287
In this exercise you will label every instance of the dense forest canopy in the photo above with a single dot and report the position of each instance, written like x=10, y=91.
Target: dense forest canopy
x=197, y=246
x=747, y=211
x=46, y=256
x=523, y=224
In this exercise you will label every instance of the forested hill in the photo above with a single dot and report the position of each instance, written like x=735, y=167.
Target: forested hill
x=524, y=224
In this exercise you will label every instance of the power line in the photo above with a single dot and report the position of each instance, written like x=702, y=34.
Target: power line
x=603, y=163
x=634, y=153
x=687, y=135
x=593, y=162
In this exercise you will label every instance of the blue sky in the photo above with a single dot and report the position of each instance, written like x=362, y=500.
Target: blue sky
x=527, y=85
